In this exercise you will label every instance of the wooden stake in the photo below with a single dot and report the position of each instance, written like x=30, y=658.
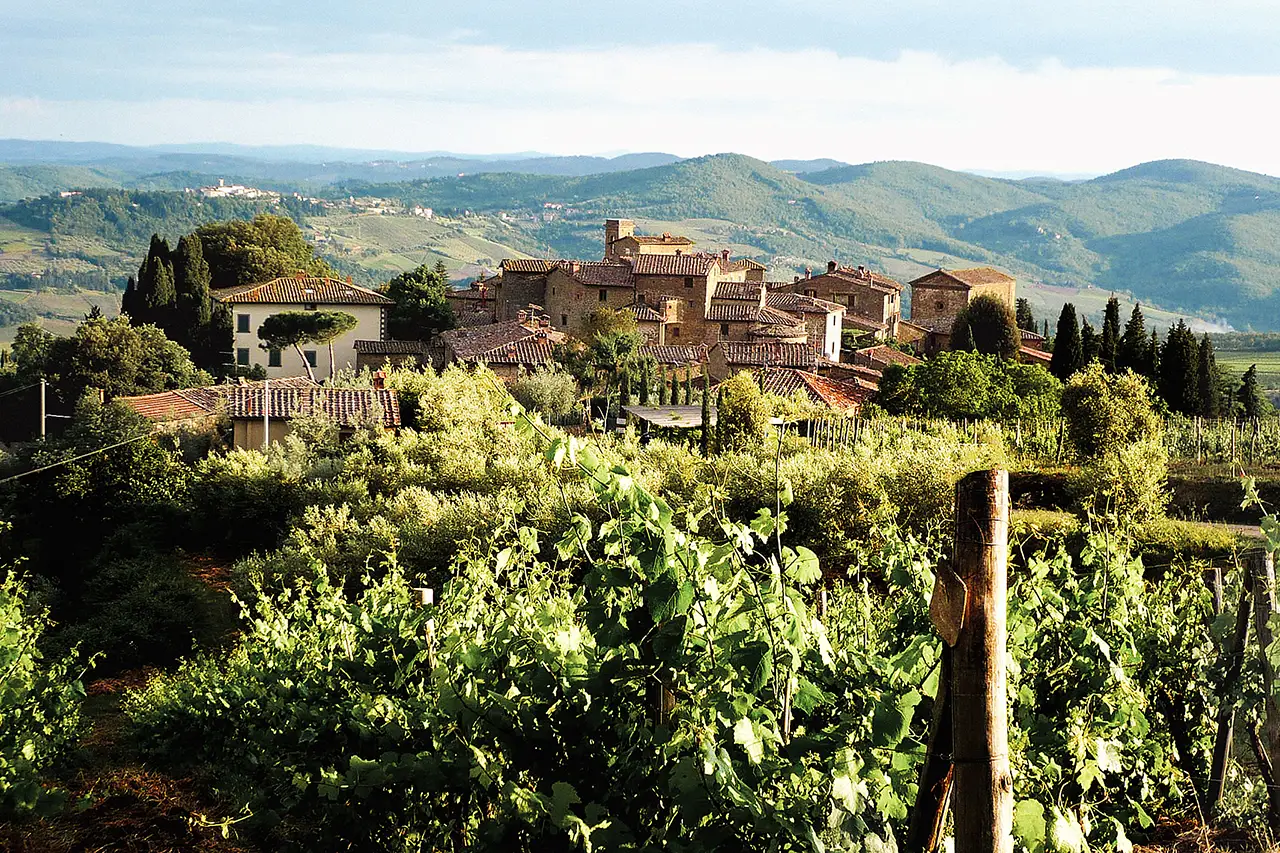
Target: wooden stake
x=924, y=834
x=1226, y=711
x=979, y=711
x=1263, y=579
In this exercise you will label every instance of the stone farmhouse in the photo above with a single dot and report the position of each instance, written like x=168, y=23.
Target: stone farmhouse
x=523, y=344
x=872, y=302
x=251, y=304
x=938, y=297
x=680, y=297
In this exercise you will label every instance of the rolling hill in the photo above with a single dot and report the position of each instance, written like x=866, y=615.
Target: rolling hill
x=1194, y=239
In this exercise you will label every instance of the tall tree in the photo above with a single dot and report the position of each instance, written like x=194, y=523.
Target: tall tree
x=191, y=282
x=1251, y=400
x=1109, y=343
x=1068, y=351
x=1151, y=360
x=1026, y=319
x=1179, y=377
x=154, y=293
x=421, y=310
x=289, y=329
x=986, y=325
x=1090, y=344
x=267, y=247
x=327, y=327
x=130, y=304
x=1210, y=390
x=1132, y=353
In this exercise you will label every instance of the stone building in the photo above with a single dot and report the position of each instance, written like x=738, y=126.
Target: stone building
x=943, y=293
x=872, y=302
x=523, y=344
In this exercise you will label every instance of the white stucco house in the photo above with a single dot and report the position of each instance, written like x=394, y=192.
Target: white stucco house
x=252, y=303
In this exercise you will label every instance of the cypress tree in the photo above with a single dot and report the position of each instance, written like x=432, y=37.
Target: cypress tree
x=1045, y=333
x=1026, y=319
x=1179, y=376
x=1151, y=360
x=675, y=387
x=1210, y=391
x=155, y=294
x=1090, y=345
x=688, y=386
x=1250, y=394
x=1109, y=343
x=193, y=309
x=644, y=383
x=662, y=385
x=624, y=384
x=1133, y=351
x=1068, y=353
x=129, y=303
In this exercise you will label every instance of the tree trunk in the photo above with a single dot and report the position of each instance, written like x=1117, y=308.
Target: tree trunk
x=310, y=373
x=983, y=797
x=932, y=796
x=331, y=366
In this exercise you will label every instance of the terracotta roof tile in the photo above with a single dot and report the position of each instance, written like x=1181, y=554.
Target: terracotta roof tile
x=390, y=347
x=528, y=353
x=743, y=291
x=346, y=406
x=646, y=313
x=687, y=265
x=965, y=278
x=676, y=354
x=599, y=273
x=533, y=265
x=798, y=303
x=765, y=330
x=168, y=406
x=842, y=396
x=743, y=312
x=882, y=355
x=863, y=277
x=478, y=343
x=865, y=324
x=663, y=240
x=750, y=353
x=301, y=290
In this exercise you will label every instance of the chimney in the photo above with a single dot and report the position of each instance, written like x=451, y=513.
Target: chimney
x=724, y=255
x=544, y=322
x=379, y=381
x=831, y=266
x=522, y=315
x=575, y=267
x=349, y=281
x=808, y=272
x=794, y=279
x=862, y=271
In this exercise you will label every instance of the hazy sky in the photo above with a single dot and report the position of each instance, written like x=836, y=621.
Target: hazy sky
x=1005, y=85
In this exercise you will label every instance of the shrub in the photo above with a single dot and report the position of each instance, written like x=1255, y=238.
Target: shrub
x=1106, y=411
x=39, y=706
x=547, y=392
x=742, y=416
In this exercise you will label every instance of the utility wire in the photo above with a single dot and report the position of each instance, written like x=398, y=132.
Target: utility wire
x=16, y=390
x=76, y=458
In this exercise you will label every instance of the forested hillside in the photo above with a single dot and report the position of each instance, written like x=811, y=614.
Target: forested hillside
x=1191, y=238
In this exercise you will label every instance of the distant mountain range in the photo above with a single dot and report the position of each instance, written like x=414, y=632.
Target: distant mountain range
x=1190, y=237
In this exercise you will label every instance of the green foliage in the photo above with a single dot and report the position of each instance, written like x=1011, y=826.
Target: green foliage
x=549, y=393
x=1025, y=316
x=110, y=355
x=958, y=385
x=39, y=704
x=988, y=326
x=1179, y=371
x=1109, y=343
x=1252, y=403
x=290, y=329
x=267, y=247
x=1068, y=348
x=420, y=311
x=742, y=415
x=1208, y=380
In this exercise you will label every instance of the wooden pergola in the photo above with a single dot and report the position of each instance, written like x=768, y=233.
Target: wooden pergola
x=667, y=417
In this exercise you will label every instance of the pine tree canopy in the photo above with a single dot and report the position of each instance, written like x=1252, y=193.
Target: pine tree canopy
x=1068, y=350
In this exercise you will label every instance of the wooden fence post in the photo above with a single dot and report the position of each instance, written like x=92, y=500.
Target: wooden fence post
x=1226, y=711
x=1262, y=577
x=924, y=833
x=983, y=800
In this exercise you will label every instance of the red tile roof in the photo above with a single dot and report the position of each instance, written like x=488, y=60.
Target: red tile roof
x=301, y=290
x=185, y=403
x=798, y=303
x=479, y=342
x=390, y=347
x=860, y=276
x=879, y=356
x=348, y=407
x=965, y=278
x=865, y=324
x=742, y=312
x=527, y=265
x=646, y=313
x=744, y=291
x=599, y=273
x=676, y=354
x=763, y=330
x=1030, y=355
x=842, y=396
x=744, y=264
x=527, y=353
x=687, y=265
x=663, y=240
x=750, y=353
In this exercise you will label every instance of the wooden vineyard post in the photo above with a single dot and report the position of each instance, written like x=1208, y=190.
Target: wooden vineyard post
x=1262, y=578
x=924, y=834
x=983, y=799
x=1226, y=713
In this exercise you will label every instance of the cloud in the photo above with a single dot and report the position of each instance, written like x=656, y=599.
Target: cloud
x=691, y=98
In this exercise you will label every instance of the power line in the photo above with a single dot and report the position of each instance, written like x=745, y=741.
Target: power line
x=76, y=458
x=16, y=390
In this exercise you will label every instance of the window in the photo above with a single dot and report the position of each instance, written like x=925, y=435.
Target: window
x=604, y=295
x=675, y=331
x=553, y=291
x=941, y=304
x=311, y=356
x=564, y=319
x=811, y=293
x=242, y=323
x=842, y=299
x=242, y=356
x=273, y=358
x=724, y=329
x=688, y=282
x=853, y=300
x=312, y=306
x=690, y=303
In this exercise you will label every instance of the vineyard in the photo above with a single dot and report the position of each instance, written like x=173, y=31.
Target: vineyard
x=638, y=647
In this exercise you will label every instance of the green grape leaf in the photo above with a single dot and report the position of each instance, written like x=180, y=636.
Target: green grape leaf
x=746, y=736
x=756, y=659
x=803, y=568
x=1029, y=825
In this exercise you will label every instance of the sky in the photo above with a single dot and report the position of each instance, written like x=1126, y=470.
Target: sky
x=1065, y=87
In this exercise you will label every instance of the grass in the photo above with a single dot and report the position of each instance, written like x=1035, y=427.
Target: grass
x=1238, y=361
x=59, y=312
